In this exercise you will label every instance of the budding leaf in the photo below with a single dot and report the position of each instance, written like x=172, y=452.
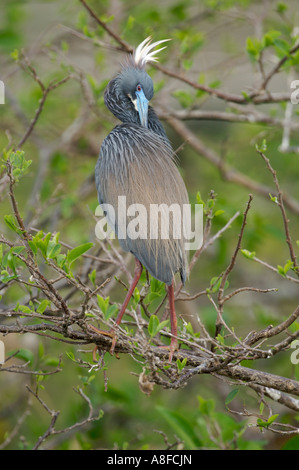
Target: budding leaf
x=248, y=254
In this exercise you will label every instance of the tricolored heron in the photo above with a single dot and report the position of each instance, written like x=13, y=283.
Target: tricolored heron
x=136, y=161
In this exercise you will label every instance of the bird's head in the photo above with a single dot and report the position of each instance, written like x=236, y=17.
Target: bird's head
x=137, y=86
x=133, y=86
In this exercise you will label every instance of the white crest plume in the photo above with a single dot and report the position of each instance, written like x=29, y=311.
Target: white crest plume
x=144, y=52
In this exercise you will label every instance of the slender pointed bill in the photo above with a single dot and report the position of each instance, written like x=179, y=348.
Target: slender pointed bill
x=144, y=52
x=142, y=107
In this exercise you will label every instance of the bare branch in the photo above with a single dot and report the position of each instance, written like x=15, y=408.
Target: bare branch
x=283, y=212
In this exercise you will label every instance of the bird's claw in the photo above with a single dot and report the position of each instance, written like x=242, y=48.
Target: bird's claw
x=111, y=334
x=174, y=346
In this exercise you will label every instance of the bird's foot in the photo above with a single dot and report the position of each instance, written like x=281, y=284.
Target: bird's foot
x=174, y=346
x=111, y=334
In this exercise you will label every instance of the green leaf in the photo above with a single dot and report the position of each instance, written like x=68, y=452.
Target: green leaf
x=11, y=223
x=19, y=163
x=43, y=305
x=82, y=20
x=52, y=361
x=231, y=396
x=199, y=199
x=179, y=11
x=189, y=329
x=130, y=22
x=17, y=158
x=156, y=285
x=269, y=38
x=291, y=444
x=265, y=424
x=181, y=427
x=103, y=303
x=15, y=54
x=42, y=242
x=136, y=295
x=246, y=96
x=220, y=338
x=107, y=19
x=60, y=260
x=185, y=98
x=248, y=254
x=75, y=253
x=289, y=264
x=187, y=64
x=219, y=212
x=91, y=378
x=17, y=249
x=24, y=354
x=24, y=309
x=215, y=84
x=283, y=270
x=281, y=8
x=153, y=325
x=32, y=246
x=273, y=198
x=181, y=364
x=90, y=315
x=6, y=277
x=206, y=407
x=71, y=356
x=92, y=276
x=210, y=204
x=111, y=310
x=215, y=284
x=262, y=147
x=253, y=48
x=11, y=262
x=53, y=248
x=282, y=47
x=38, y=236
x=64, y=46
x=272, y=419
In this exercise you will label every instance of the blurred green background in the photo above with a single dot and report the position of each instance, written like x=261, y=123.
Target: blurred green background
x=209, y=47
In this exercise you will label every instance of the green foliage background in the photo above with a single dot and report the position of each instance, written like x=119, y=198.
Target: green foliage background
x=210, y=45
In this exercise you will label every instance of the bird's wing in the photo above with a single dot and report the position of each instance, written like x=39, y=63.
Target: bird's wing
x=138, y=178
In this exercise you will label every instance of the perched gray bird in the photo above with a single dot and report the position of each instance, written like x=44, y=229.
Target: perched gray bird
x=137, y=162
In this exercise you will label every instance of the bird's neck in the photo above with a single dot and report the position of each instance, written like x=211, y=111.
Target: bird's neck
x=155, y=125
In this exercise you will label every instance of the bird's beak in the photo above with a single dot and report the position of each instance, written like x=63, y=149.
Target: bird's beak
x=142, y=107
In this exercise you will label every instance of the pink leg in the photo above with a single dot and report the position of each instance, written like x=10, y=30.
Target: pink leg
x=137, y=274
x=173, y=321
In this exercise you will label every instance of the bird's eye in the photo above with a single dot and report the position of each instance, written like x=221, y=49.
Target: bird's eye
x=138, y=88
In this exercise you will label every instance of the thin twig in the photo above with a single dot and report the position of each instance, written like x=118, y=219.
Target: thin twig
x=283, y=212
